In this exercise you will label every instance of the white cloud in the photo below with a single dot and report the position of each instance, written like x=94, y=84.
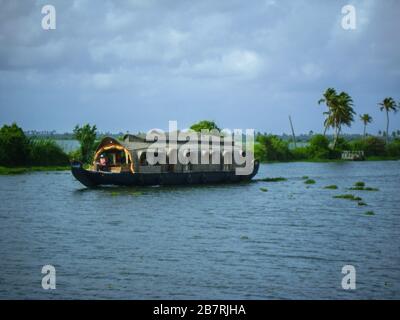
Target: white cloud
x=237, y=63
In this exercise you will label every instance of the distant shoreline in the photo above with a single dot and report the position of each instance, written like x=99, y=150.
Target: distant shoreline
x=374, y=158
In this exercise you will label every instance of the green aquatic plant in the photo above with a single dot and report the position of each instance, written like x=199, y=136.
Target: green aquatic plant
x=277, y=179
x=357, y=188
x=304, y=177
x=369, y=213
x=348, y=197
x=333, y=186
x=359, y=184
x=370, y=189
x=244, y=238
x=264, y=189
x=309, y=181
x=114, y=193
x=364, y=189
x=362, y=203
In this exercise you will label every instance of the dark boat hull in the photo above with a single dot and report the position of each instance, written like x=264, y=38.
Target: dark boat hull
x=97, y=178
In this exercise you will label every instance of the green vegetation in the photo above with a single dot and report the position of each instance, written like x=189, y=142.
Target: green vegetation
x=340, y=112
x=388, y=105
x=205, y=125
x=20, y=170
x=348, y=197
x=361, y=187
x=365, y=118
x=46, y=152
x=277, y=179
x=361, y=203
x=309, y=181
x=86, y=135
x=19, y=154
x=264, y=189
x=369, y=213
x=304, y=177
x=14, y=146
x=333, y=187
x=370, y=189
x=271, y=148
x=364, y=189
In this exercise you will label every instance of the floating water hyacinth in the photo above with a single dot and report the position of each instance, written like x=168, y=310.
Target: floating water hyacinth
x=348, y=197
x=333, y=187
x=359, y=184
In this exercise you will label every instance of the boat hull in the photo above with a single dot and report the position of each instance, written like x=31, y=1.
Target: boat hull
x=97, y=178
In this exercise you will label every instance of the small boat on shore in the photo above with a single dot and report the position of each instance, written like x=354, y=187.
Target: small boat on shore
x=127, y=165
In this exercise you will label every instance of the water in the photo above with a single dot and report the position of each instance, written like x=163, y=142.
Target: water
x=215, y=242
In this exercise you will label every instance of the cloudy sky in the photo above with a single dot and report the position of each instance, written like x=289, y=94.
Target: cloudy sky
x=133, y=65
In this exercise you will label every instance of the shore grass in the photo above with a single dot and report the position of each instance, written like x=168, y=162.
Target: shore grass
x=21, y=170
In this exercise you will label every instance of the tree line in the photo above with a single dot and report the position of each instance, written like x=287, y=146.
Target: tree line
x=339, y=113
x=16, y=149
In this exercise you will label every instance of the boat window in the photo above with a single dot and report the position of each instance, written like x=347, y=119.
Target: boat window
x=116, y=157
x=143, y=159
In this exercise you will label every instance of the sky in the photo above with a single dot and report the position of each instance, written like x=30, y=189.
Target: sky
x=134, y=65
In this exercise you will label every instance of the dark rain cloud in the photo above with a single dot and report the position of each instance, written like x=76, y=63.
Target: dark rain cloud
x=134, y=65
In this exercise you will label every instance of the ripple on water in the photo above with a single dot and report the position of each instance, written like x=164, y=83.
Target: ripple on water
x=219, y=242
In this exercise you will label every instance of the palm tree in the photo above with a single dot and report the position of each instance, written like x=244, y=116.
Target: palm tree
x=328, y=98
x=342, y=113
x=388, y=104
x=365, y=118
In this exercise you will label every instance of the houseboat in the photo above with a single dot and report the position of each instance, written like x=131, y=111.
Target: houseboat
x=126, y=163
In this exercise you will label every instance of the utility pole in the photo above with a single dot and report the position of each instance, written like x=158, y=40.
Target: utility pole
x=294, y=137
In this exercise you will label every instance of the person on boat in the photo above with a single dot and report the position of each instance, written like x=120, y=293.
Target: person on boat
x=103, y=164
